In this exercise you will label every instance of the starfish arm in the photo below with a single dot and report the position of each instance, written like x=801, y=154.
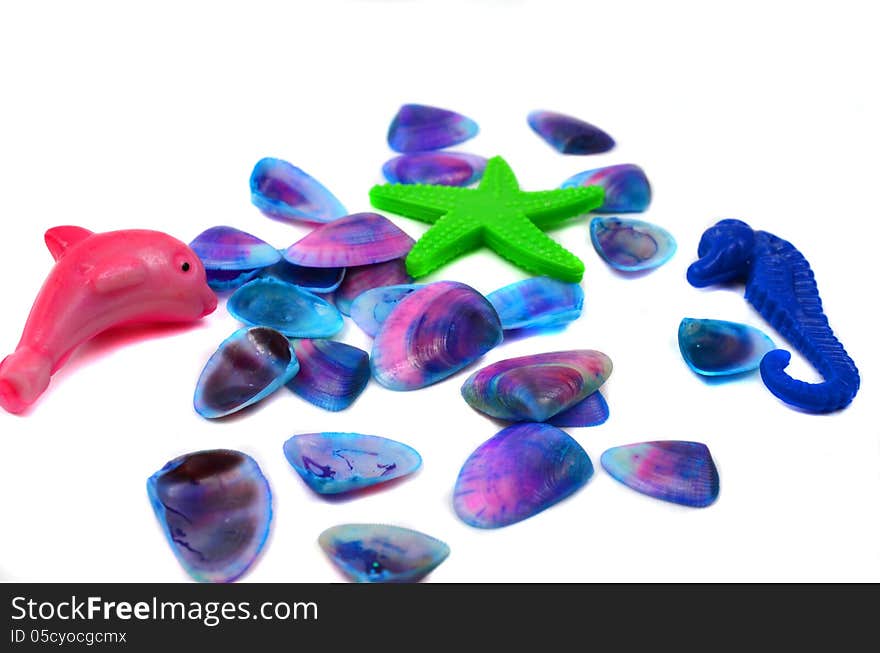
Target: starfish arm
x=550, y=207
x=418, y=201
x=448, y=238
x=498, y=178
x=530, y=248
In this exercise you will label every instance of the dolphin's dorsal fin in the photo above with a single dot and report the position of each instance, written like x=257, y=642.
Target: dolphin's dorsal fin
x=59, y=239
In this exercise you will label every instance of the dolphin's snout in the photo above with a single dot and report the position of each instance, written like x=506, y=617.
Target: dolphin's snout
x=209, y=302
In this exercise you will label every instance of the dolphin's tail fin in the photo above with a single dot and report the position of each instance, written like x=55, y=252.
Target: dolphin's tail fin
x=24, y=375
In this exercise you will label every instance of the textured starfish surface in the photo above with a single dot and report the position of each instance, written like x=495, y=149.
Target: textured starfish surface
x=496, y=214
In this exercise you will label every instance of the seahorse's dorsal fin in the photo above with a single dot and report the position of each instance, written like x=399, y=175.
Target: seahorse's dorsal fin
x=59, y=239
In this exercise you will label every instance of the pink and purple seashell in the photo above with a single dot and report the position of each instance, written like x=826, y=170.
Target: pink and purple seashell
x=719, y=347
x=433, y=333
x=418, y=127
x=336, y=463
x=673, y=470
x=627, y=189
x=537, y=387
x=289, y=309
x=231, y=256
x=592, y=410
x=537, y=302
x=314, y=280
x=631, y=245
x=569, y=135
x=331, y=374
x=521, y=471
x=215, y=508
x=380, y=553
x=362, y=278
x=372, y=307
x=284, y=192
x=437, y=168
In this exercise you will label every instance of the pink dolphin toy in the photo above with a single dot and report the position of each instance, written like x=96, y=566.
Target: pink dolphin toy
x=100, y=281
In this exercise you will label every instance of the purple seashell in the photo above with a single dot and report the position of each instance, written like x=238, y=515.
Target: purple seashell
x=331, y=374
x=592, y=410
x=379, y=553
x=357, y=239
x=315, y=280
x=417, y=127
x=521, y=471
x=534, y=388
x=673, y=470
x=627, y=189
x=291, y=310
x=443, y=168
x=231, y=256
x=434, y=332
x=284, y=192
x=719, y=347
x=631, y=245
x=248, y=366
x=335, y=463
x=537, y=302
x=569, y=135
x=215, y=508
x=372, y=307
x=366, y=277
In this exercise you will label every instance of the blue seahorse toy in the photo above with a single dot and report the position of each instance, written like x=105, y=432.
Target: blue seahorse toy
x=780, y=285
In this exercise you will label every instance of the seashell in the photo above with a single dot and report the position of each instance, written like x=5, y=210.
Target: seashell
x=672, y=470
x=366, y=277
x=718, y=347
x=357, y=239
x=231, y=256
x=215, y=508
x=331, y=374
x=417, y=127
x=631, y=245
x=537, y=302
x=314, y=280
x=334, y=463
x=379, y=553
x=433, y=333
x=626, y=186
x=284, y=192
x=590, y=411
x=534, y=388
x=569, y=135
x=372, y=307
x=443, y=168
x=521, y=471
x=287, y=308
x=248, y=366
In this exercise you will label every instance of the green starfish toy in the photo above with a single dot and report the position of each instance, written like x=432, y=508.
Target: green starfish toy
x=496, y=214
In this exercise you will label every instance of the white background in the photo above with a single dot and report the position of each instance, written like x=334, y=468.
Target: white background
x=152, y=117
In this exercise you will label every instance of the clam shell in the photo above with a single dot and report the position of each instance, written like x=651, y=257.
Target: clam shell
x=673, y=470
x=335, y=463
x=418, y=127
x=372, y=307
x=537, y=387
x=379, y=553
x=331, y=374
x=287, y=308
x=215, y=508
x=432, y=333
x=631, y=245
x=521, y=471
x=248, y=366
x=719, y=347
x=537, y=302
x=231, y=256
x=440, y=168
x=366, y=277
x=626, y=186
x=590, y=411
x=314, y=280
x=284, y=192
x=569, y=135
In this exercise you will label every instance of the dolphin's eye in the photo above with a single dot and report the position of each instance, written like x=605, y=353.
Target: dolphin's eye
x=185, y=266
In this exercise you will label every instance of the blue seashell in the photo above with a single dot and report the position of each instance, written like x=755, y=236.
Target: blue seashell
x=366, y=277
x=284, y=192
x=289, y=309
x=378, y=553
x=215, y=508
x=677, y=471
x=334, y=463
x=248, y=366
x=569, y=135
x=521, y=471
x=314, y=280
x=331, y=374
x=417, y=127
x=626, y=186
x=631, y=245
x=433, y=333
x=537, y=302
x=534, y=388
x=372, y=307
x=357, y=239
x=442, y=168
x=590, y=411
x=718, y=347
x=231, y=256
